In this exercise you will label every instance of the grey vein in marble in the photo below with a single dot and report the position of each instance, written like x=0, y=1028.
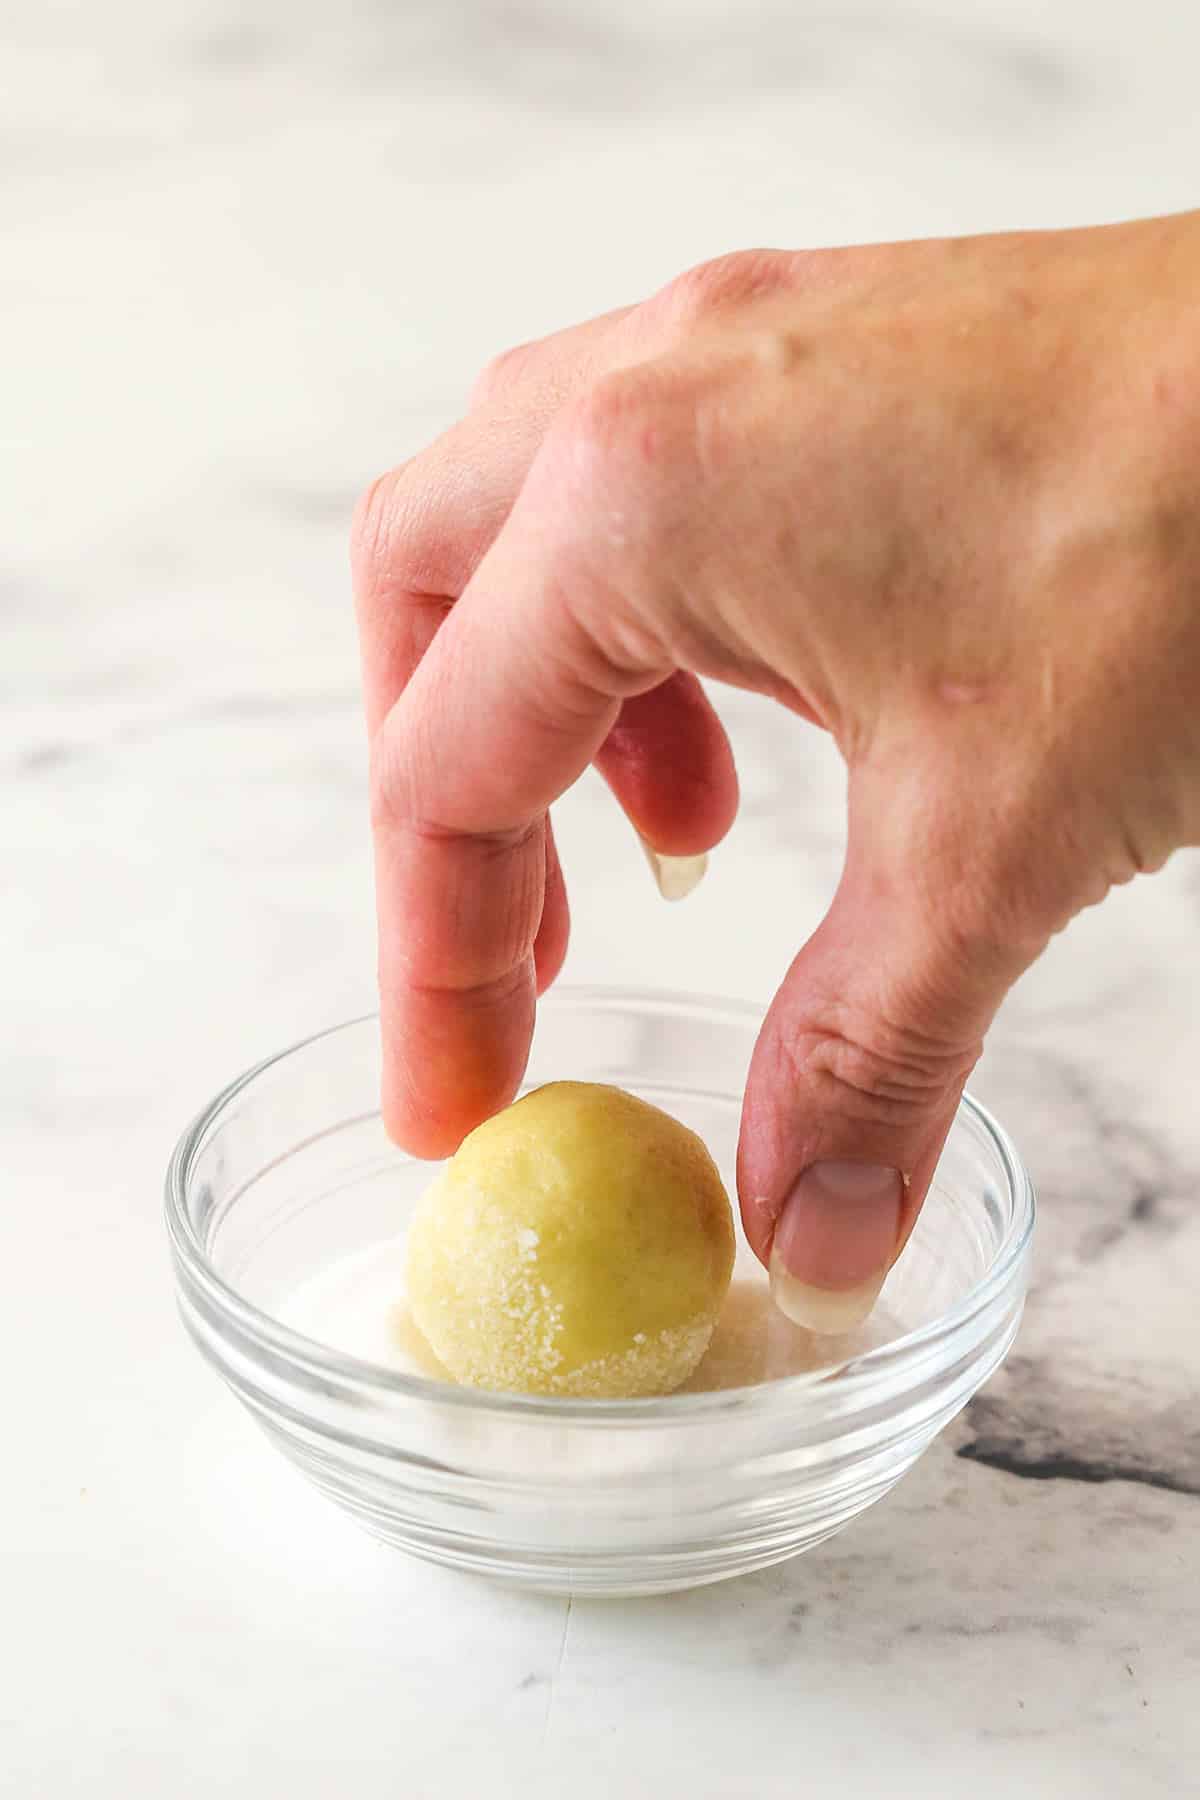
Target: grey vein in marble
x=1102, y=1386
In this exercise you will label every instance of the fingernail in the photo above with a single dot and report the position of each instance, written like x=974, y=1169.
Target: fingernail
x=676, y=875
x=834, y=1242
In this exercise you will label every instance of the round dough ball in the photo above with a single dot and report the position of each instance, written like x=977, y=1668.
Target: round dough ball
x=580, y=1242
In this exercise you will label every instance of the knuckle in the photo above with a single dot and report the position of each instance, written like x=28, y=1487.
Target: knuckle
x=499, y=375
x=492, y=888
x=615, y=405
x=398, y=541
x=378, y=528
x=631, y=423
x=713, y=290
x=369, y=524
x=626, y=461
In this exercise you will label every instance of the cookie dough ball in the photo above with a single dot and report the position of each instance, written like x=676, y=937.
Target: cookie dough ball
x=580, y=1242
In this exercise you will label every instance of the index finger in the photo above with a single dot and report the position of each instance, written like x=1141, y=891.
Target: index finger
x=510, y=704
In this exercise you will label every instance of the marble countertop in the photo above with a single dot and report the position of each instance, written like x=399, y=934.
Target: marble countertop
x=254, y=253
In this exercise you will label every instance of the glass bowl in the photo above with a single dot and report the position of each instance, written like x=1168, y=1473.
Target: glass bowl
x=285, y=1193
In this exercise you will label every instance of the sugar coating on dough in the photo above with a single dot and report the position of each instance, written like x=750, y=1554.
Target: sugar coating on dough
x=580, y=1242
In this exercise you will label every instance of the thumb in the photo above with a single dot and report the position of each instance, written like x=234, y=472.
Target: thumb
x=860, y=1066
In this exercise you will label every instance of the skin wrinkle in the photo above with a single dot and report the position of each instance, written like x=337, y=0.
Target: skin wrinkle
x=891, y=1081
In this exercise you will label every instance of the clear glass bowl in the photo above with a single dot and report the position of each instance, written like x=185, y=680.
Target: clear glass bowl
x=289, y=1170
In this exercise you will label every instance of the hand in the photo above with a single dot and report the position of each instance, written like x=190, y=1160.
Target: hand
x=939, y=499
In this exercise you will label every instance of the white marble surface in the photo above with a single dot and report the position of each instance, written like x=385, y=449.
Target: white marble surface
x=252, y=253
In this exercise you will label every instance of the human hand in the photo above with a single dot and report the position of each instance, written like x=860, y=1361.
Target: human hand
x=937, y=498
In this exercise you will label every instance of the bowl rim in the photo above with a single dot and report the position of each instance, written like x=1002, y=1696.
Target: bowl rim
x=310, y=1358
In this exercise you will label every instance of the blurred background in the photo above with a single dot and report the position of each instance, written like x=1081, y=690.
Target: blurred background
x=252, y=254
